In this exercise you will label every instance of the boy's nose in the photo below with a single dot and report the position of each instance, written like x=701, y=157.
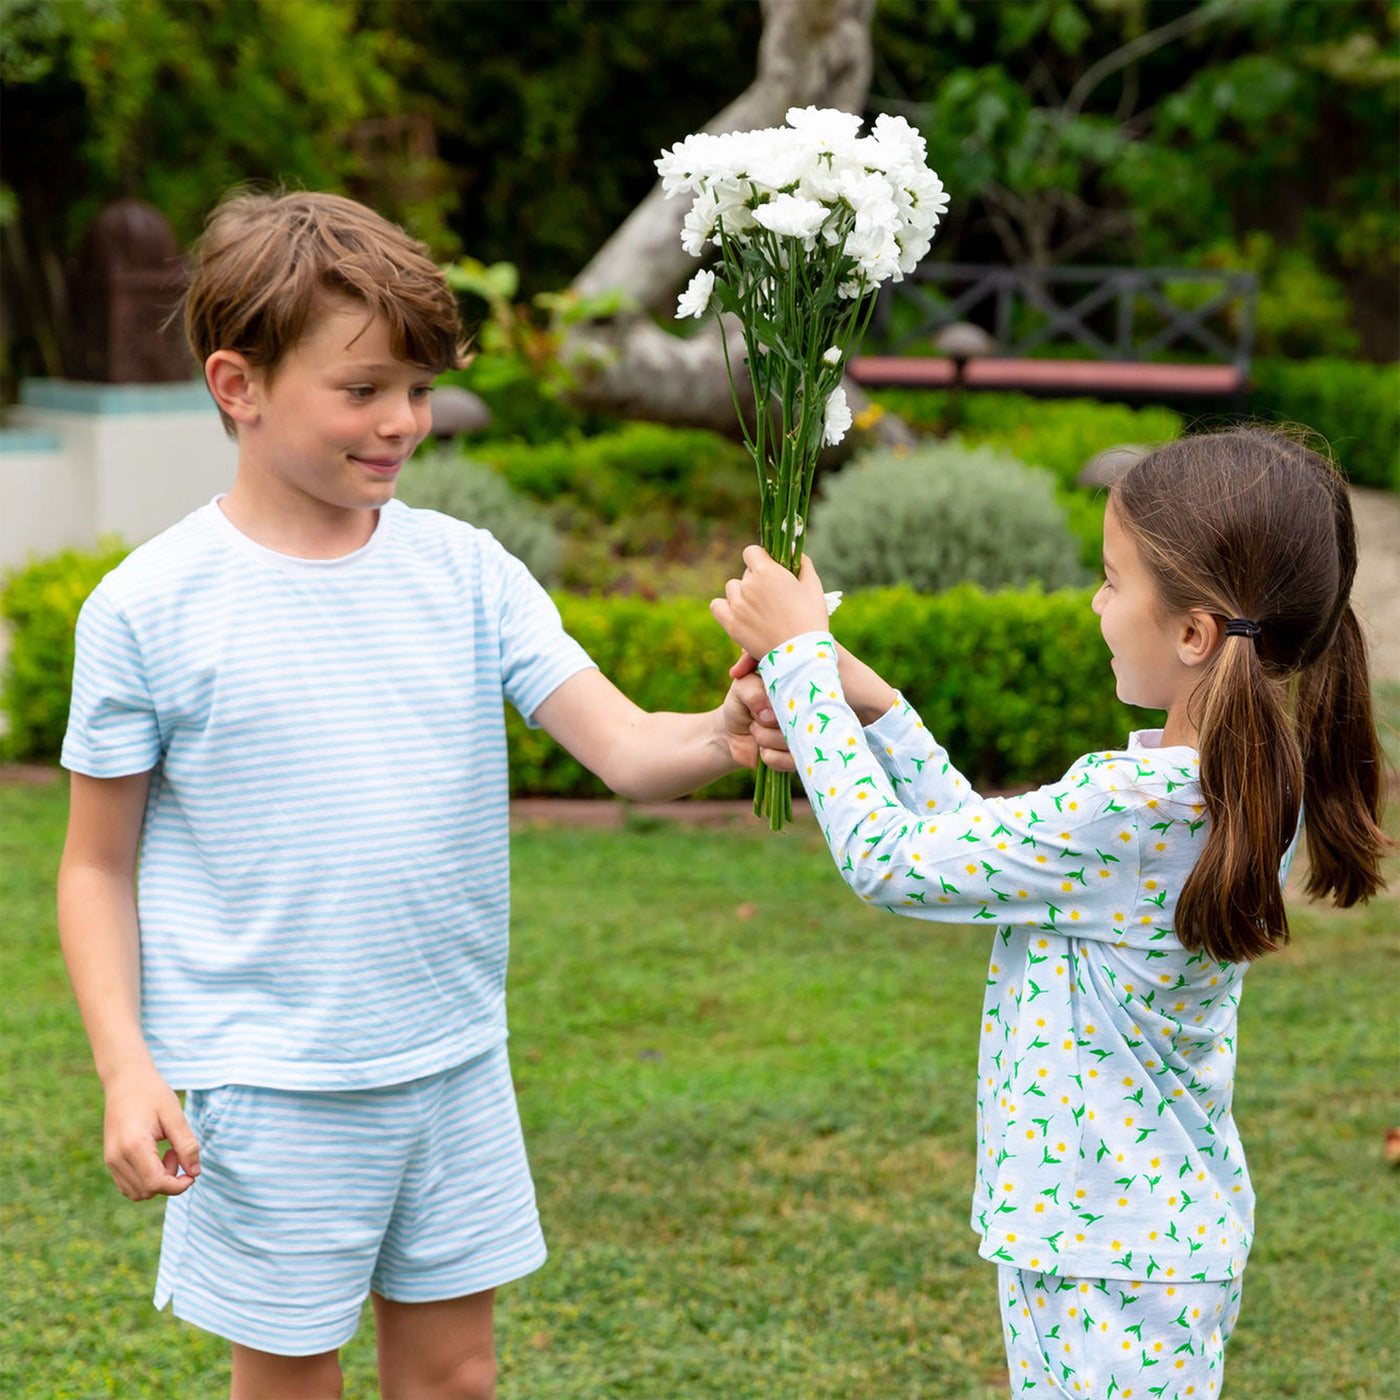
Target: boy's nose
x=401, y=420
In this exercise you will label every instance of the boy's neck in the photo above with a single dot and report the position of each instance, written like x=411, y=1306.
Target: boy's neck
x=297, y=526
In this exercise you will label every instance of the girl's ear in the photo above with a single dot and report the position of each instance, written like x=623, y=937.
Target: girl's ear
x=233, y=383
x=1200, y=634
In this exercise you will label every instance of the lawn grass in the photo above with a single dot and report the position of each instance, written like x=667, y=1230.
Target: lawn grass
x=748, y=1102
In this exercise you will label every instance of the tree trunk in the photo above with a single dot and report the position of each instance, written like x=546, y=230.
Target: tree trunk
x=812, y=53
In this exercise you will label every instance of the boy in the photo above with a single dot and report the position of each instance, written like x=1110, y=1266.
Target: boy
x=291, y=703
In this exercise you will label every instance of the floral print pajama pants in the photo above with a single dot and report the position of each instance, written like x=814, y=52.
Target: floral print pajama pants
x=1106, y=1339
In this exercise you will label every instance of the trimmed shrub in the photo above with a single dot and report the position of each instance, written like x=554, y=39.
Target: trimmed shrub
x=940, y=515
x=1353, y=404
x=41, y=602
x=624, y=471
x=1016, y=685
x=474, y=492
x=1057, y=434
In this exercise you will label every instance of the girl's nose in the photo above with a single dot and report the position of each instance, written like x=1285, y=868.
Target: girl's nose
x=1097, y=603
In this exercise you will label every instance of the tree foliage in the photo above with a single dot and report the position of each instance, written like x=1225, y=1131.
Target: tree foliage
x=1259, y=132
x=1167, y=132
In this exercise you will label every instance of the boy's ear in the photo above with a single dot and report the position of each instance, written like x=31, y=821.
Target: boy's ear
x=233, y=382
x=1198, y=638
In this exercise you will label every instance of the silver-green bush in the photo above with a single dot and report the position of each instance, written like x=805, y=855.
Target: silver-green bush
x=940, y=515
x=476, y=493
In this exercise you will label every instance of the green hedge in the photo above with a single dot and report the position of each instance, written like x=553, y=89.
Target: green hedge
x=1353, y=404
x=626, y=470
x=1015, y=684
x=40, y=603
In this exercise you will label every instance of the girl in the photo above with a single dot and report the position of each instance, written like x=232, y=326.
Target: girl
x=1128, y=899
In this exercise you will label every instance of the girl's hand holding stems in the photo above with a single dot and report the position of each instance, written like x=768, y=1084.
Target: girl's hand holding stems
x=769, y=605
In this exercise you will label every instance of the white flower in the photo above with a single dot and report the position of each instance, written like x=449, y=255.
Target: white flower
x=696, y=297
x=838, y=417
x=832, y=355
x=833, y=600
x=794, y=217
x=831, y=130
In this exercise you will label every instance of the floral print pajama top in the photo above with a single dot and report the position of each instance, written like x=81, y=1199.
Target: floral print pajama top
x=1106, y=1145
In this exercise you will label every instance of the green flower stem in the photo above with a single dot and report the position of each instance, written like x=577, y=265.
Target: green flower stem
x=790, y=309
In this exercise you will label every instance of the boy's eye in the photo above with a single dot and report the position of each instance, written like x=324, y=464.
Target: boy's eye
x=422, y=391
x=361, y=391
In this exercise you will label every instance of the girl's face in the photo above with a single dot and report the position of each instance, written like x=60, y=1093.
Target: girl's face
x=1142, y=637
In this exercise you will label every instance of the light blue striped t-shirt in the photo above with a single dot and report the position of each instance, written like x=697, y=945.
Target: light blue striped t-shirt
x=324, y=872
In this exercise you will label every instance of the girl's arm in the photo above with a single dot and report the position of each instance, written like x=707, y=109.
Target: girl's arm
x=1065, y=857
x=102, y=948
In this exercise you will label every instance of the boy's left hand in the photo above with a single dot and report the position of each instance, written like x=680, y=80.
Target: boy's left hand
x=769, y=605
x=749, y=722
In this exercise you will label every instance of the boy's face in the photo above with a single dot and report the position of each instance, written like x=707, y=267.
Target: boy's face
x=339, y=414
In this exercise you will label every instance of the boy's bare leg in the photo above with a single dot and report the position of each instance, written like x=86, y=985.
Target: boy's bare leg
x=259, y=1375
x=437, y=1351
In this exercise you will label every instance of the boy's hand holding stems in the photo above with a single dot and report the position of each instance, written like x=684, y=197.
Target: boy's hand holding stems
x=770, y=605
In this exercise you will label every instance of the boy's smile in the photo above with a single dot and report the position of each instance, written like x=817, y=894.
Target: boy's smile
x=333, y=423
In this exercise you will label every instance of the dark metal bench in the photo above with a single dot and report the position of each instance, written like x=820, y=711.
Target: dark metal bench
x=1123, y=320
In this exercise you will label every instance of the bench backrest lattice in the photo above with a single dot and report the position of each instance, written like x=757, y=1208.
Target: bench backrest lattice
x=1090, y=290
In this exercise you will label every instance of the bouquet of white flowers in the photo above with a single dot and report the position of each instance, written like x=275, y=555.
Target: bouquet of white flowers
x=809, y=219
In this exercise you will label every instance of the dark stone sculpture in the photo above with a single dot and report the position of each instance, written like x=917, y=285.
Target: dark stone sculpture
x=128, y=280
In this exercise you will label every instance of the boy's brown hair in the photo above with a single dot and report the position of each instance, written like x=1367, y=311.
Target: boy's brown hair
x=267, y=261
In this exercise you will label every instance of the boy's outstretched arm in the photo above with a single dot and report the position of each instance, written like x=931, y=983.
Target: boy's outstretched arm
x=98, y=928
x=652, y=757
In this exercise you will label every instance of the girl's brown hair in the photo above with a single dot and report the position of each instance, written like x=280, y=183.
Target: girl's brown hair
x=267, y=262
x=1250, y=523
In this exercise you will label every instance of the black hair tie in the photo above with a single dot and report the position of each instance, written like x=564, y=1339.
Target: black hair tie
x=1241, y=627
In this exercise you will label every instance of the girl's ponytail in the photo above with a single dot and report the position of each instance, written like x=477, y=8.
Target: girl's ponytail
x=1252, y=524
x=1251, y=780
x=1343, y=770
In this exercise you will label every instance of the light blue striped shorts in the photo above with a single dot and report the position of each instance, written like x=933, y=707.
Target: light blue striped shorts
x=306, y=1201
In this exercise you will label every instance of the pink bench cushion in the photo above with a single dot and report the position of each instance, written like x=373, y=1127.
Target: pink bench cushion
x=1063, y=376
